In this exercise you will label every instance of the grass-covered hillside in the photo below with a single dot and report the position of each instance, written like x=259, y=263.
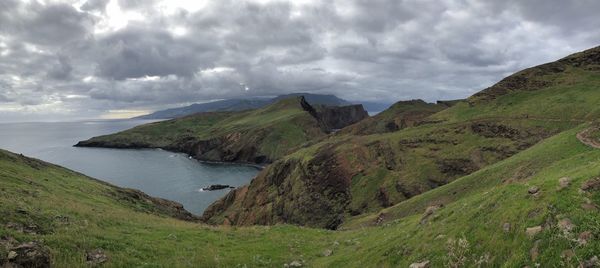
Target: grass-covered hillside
x=254, y=136
x=537, y=208
x=69, y=217
x=400, y=115
x=348, y=175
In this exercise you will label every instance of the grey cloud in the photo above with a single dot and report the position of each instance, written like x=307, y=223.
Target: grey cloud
x=135, y=4
x=54, y=24
x=4, y=98
x=381, y=50
x=567, y=15
x=62, y=69
x=95, y=5
x=376, y=16
x=134, y=53
x=4, y=89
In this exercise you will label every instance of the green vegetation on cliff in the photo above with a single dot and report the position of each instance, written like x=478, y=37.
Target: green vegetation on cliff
x=537, y=207
x=364, y=174
x=400, y=115
x=72, y=215
x=254, y=136
x=508, y=178
x=485, y=216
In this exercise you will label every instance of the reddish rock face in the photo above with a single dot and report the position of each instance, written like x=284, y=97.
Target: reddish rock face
x=317, y=195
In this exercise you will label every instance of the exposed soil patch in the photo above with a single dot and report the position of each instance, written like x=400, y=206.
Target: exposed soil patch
x=456, y=167
x=493, y=130
x=588, y=138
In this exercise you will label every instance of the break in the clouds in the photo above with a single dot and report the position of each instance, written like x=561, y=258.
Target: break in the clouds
x=84, y=59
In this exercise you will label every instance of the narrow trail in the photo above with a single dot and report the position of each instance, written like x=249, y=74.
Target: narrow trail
x=585, y=138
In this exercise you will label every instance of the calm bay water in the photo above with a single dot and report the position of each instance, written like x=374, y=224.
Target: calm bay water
x=159, y=173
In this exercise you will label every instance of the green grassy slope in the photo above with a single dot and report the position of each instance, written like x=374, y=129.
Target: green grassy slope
x=367, y=173
x=491, y=209
x=400, y=115
x=255, y=136
x=71, y=214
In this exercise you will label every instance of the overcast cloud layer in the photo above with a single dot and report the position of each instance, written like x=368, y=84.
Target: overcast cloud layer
x=64, y=60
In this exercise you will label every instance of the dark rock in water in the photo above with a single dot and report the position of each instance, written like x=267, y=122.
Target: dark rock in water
x=215, y=187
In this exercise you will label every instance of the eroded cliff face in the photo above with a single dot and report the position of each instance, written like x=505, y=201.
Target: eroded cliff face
x=313, y=193
x=233, y=147
x=399, y=116
x=336, y=118
x=344, y=176
x=245, y=146
x=261, y=142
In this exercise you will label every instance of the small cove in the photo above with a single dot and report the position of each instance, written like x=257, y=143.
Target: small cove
x=160, y=173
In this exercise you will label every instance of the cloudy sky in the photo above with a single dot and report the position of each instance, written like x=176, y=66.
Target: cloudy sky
x=67, y=60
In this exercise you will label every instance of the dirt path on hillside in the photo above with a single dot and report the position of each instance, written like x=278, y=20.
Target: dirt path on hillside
x=585, y=138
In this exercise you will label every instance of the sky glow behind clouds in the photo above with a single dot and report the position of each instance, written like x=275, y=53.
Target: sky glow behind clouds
x=66, y=60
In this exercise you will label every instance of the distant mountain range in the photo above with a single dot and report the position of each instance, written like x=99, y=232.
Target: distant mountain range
x=255, y=103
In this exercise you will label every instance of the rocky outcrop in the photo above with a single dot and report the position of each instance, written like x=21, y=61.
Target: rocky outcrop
x=31, y=254
x=234, y=147
x=153, y=204
x=456, y=167
x=399, y=116
x=216, y=187
x=494, y=130
x=313, y=193
x=352, y=175
x=339, y=117
x=539, y=77
x=243, y=145
x=96, y=257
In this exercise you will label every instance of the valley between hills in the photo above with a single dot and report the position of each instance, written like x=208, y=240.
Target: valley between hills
x=509, y=177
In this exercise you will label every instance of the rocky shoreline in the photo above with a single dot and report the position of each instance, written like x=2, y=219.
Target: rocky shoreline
x=241, y=147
